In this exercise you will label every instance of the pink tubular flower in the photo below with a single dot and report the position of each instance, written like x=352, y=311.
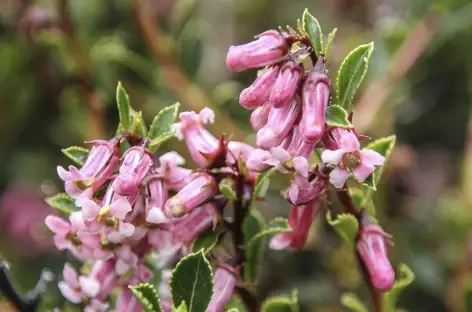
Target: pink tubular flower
x=258, y=93
x=136, y=163
x=286, y=84
x=349, y=159
x=170, y=171
x=372, y=249
x=257, y=161
x=270, y=47
x=201, y=188
x=315, y=97
x=73, y=236
x=100, y=164
x=158, y=196
x=77, y=288
x=197, y=221
x=224, y=283
x=302, y=191
x=200, y=143
x=260, y=116
x=126, y=301
x=300, y=220
x=104, y=273
x=238, y=149
x=279, y=124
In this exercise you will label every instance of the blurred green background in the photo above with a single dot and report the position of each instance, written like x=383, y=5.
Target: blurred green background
x=60, y=62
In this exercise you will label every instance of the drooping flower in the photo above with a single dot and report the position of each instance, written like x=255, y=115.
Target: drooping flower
x=299, y=219
x=136, y=163
x=371, y=245
x=348, y=158
x=98, y=167
x=258, y=93
x=224, y=283
x=170, y=170
x=286, y=84
x=260, y=116
x=270, y=47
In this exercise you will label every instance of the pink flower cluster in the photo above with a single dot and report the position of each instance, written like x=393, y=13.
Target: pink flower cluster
x=127, y=211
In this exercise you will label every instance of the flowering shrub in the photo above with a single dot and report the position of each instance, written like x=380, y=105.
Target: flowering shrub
x=153, y=235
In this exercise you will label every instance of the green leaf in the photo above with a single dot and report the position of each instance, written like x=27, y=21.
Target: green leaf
x=77, y=154
x=350, y=300
x=313, y=30
x=162, y=123
x=122, y=100
x=384, y=147
x=147, y=295
x=206, y=241
x=62, y=202
x=346, y=225
x=406, y=278
x=275, y=226
x=235, y=304
x=329, y=44
x=192, y=282
x=351, y=73
x=336, y=116
x=181, y=308
x=261, y=186
x=156, y=142
x=138, y=126
x=283, y=303
x=227, y=186
x=253, y=224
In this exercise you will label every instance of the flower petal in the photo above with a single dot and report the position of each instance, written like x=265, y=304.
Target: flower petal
x=70, y=276
x=57, y=225
x=89, y=286
x=90, y=210
x=362, y=171
x=338, y=177
x=126, y=229
x=120, y=208
x=371, y=157
x=69, y=293
x=332, y=157
x=301, y=165
x=280, y=241
x=156, y=216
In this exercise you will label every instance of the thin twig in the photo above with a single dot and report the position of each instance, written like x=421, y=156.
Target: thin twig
x=84, y=76
x=402, y=61
x=186, y=92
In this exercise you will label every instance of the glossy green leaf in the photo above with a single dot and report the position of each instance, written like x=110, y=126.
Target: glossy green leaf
x=261, y=186
x=181, y=308
x=351, y=73
x=138, y=125
x=351, y=301
x=154, y=144
x=346, y=225
x=63, y=202
x=147, y=295
x=253, y=224
x=162, y=123
x=192, y=282
x=313, y=30
x=404, y=279
x=122, y=100
x=283, y=303
x=77, y=154
x=336, y=116
x=206, y=241
x=275, y=226
x=329, y=44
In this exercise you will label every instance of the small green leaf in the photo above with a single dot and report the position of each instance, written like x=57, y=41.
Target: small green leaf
x=122, y=101
x=62, y=202
x=406, y=278
x=147, y=295
x=138, y=126
x=156, y=142
x=350, y=300
x=384, y=147
x=206, y=241
x=261, y=186
x=313, y=30
x=181, y=308
x=162, y=123
x=329, y=44
x=346, y=225
x=192, y=282
x=351, y=73
x=336, y=116
x=283, y=303
x=227, y=186
x=275, y=226
x=253, y=224
x=77, y=154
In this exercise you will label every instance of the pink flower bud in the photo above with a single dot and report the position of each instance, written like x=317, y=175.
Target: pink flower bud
x=200, y=143
x=315, y=96
x=286, y=84
x=260, y=116
x=372, y=249
x=269, y=48
x=136, y=164
x=258, y=93
x=300, y=220
x=298, y=147
x=197, y=221
x=338, y=138
x=224, y=283
x=257, y=160
x=281, y=121
x=99, y=165
x=201, y=188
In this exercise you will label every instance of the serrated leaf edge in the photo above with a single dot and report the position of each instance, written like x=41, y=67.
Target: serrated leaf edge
x=144, y=301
